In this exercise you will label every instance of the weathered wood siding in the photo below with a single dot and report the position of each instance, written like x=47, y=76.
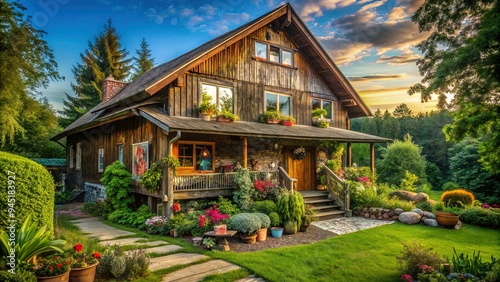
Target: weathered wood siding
x=250, y=78
x=109, y=136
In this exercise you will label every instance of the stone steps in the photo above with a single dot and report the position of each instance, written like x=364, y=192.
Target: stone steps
x=199, y=271
x=174, y=260
x=161, y=249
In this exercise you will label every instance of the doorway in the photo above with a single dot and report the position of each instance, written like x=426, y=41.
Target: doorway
x=303, y=170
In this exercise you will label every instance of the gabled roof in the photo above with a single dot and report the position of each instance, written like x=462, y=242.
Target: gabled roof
x=289, y=21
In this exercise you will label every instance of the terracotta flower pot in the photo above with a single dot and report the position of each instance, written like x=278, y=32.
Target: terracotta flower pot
x=84, y=274
x=223, y=119
x=205, y=117
x=220, y=229
x=248, y=239
x=447, y=219
x=58, y=278
x=272, y=121
x=262, y=234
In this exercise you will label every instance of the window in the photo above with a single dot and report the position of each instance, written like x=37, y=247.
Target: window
x=325, y=105
x=79, y=155
x=279, y=103
x=71, y=157
x=196, y=156
x=273, y=53
x=222, y=96
x=120, y=153
x=100, y=160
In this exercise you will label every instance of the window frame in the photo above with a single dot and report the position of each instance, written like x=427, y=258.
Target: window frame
x=277, y=101
x=219, y=85
x=71, y=157
x=281, y=51
x=120, y=152
x=100, y=159
x=322, y=101
x=192, y=169
x=78, y=165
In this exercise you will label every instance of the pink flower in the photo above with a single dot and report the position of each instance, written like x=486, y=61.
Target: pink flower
x=485, y=206
x=406, y=278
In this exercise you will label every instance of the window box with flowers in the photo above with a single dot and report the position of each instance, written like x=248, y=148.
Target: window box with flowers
x=83, y=265
x=299, y=153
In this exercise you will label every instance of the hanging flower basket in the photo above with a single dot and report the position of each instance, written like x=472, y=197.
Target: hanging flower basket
x=299, y=153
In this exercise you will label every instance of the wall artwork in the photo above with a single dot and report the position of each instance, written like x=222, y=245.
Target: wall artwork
x=140, y=159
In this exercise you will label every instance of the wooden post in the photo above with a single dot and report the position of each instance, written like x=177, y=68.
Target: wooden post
x=245, y=151
x=349, y=155
x=164, y=177
x=372, y=157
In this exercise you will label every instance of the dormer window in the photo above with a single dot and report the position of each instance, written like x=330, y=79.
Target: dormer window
x=273, y=53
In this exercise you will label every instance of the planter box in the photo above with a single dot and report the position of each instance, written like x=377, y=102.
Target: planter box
x=220, y=229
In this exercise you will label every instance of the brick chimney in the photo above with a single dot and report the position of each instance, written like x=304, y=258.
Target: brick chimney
x=111, y=87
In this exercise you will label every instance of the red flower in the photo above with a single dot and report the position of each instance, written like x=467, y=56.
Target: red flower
x=202, y=220
x=176, y=207
x=96, y=255
x=51, y=267
x=495, y=206
x=78, y=247
x=59, y=265
x=68, y=262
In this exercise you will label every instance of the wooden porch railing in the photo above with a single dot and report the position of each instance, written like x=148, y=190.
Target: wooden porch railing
x=286, y=180
x=338, y=188
x=209, y=181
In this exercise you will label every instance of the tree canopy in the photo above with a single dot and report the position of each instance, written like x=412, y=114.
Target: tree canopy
x=104, y=57
x=26, y=64
x=143, y=60
x=461, y=58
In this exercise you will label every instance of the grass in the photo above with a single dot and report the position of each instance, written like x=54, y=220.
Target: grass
x=368, y=255
x=435, y=195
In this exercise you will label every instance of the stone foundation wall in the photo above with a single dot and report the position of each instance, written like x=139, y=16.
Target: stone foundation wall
x=94, y=192
x=377, y=213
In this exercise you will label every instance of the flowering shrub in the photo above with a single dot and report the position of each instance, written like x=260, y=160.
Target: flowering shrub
x=215, y=216
x=81, y=259
x=52, y=266
x=157, y=225
x=365, y=180
x=287, y=123
x=263, y=188
x=406, y=277
x=485, y=206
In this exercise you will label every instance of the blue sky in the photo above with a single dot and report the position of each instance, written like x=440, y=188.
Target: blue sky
x=373, y=42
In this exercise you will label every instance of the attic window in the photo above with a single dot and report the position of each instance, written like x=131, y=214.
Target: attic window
x=272, y=53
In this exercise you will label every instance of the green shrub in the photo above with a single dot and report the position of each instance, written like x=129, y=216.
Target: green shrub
x=457, y=198
x=100, y=209
x=368, y=197
x=275, y=219
x=243, y=195
x=494, y=274
x=291, y=207
x=62, y=197
x=414, y=255
x=130, y=218
x=177, y=220
x=425, y=206
x=137, y=264
x=27, y=189
x=449, y=186
x=265, y=207
x=439, y=207
x=192, y=225
x=115, y=263
x=462, y=263
x=117, y=181
x=226, y=206
x=246, y=223
x=20, y=275
x=265, y=221
x=479, y=216
x=408, y=182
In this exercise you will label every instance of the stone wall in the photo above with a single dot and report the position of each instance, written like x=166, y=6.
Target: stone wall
x=377, y=213
x=94, y=192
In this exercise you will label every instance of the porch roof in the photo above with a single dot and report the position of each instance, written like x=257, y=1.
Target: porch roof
x=254, y=129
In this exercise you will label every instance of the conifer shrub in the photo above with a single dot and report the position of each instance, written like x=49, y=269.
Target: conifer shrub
x=457, y=198
x=117, y=181
x=27, y=189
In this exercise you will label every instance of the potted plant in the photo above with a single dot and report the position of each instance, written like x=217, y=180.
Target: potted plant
x=226, y=116
x=52, y=268
x=218, y=219
x=247, y=224
x=318, y=113
x=308, y=217
x=272, y=117
x=276, y=229
x=287, y=120
x=265, y=222
x=291, y=209
x=206, y=107
x=83, y=265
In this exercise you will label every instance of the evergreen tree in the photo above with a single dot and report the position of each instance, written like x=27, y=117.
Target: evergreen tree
x=402, y=110
x=143, y=62
x=461, y=57
x=26, y=64
x=104, y=57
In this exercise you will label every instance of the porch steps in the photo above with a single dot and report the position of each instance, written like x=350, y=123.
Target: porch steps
x=325, y=207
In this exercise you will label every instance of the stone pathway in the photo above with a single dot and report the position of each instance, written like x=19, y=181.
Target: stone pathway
x=346, y=225
x=107, y=234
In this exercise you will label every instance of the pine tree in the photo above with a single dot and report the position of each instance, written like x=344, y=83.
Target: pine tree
x=143, y=62
x=104, y=57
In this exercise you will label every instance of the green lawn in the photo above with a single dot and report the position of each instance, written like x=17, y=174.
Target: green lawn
x=435, y=195
x=367, y=255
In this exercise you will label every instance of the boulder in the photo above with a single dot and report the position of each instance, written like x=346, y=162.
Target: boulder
x=429, y=215
x=431, y=222
x=410, y=196
x=398, y=211
x=419, y=211
x=459, y=225
x=409, y=217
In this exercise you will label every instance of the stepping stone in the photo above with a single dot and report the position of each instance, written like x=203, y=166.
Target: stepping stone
x=173, y=260
x=94, y=228
x=131, y=241
x=199, y=271
x=251, y=278
x=161, y=250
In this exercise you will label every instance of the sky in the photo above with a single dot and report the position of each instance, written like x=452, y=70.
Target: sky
x=372, y=42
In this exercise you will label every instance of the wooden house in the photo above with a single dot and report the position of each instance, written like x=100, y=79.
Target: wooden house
x=271, y=63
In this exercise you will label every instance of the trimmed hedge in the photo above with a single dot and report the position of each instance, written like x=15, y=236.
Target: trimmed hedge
x=457, y=198
x=34, y=191
x=482, y=217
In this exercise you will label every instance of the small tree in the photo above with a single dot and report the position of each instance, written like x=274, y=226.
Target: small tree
x=117, y=181
x=399, y=157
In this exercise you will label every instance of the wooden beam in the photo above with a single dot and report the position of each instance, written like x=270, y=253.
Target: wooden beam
x=372, y=157
x=245, y=151
x=349, y=154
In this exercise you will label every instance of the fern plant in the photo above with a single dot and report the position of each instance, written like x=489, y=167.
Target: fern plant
x=117, y=181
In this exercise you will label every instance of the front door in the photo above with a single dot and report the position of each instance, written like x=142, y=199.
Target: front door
x=303, y=170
